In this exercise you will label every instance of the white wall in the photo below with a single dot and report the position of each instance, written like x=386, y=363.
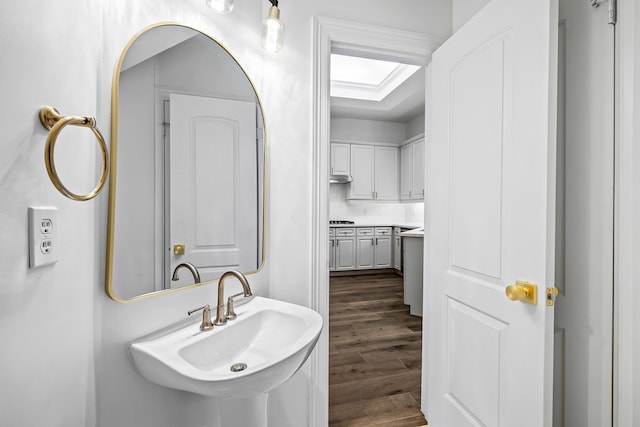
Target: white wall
x=369, y=212
x=367, y=131
x=463, y=10
x=415, y=126
x=77, y=372
x=47, y=314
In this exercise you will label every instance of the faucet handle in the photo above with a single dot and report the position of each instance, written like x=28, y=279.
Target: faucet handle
x=231, y=314
x=206, y=317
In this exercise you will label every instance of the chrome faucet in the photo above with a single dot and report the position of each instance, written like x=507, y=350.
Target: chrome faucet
x=192, y=268
x=221, y=319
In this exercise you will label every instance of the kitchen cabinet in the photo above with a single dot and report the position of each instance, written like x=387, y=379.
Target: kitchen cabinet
x=374, y=170
x=342, y=249
x=383, y=247
x=397, y=248
x=365, y=248
x=373, y=247
x=413, y=270
x=412, y=170
x=340, y=159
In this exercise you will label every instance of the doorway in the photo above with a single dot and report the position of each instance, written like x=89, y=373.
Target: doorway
x=345, y=37
x=587, y=204
x=583, y=344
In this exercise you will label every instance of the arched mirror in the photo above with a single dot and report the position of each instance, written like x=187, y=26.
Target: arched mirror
x=187, y=165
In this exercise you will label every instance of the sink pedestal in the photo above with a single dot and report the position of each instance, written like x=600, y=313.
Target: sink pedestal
x=249, y=411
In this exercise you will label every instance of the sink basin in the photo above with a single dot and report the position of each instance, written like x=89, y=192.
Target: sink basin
x=266, y=344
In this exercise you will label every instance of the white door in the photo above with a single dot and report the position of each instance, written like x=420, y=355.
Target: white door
x=584, y=254
x=490, y=212
x=213, y=189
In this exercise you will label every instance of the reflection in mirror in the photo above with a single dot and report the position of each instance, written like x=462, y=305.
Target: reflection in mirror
x=188, y=152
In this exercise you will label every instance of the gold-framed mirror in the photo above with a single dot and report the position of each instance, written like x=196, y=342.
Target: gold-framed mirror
x=188, y=164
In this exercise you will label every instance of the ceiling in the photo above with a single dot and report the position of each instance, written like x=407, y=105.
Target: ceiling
x=403, y=104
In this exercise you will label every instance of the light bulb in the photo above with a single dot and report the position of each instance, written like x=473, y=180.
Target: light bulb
x=273, y=31
x=221, y=6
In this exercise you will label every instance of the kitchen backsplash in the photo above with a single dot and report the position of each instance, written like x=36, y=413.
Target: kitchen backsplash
x=368, y=211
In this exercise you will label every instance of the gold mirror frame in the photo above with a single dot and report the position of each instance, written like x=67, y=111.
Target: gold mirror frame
x=114, y=156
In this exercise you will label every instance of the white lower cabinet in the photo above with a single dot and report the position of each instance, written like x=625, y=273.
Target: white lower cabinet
x=342, y=249
x=373, y=248
x=365, y=248
x=383, y=247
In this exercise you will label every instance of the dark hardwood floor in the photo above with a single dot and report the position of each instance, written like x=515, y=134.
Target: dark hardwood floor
x=375, y=352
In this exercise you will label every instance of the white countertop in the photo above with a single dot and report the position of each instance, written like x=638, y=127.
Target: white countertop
x=376, y=224
x=416, y=232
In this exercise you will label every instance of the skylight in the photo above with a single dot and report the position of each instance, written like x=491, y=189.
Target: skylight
x=367, y=79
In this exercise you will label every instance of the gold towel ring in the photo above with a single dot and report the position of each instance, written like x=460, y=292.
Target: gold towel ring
x=54, y=122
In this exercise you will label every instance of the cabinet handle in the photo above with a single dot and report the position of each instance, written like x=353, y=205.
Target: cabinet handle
x=376, y=239
x=409, y=193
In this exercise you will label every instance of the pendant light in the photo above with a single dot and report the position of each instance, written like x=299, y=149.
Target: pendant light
x=221, y=6
x=273, y=29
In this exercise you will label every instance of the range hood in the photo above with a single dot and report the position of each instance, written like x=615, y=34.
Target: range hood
x=340, y=179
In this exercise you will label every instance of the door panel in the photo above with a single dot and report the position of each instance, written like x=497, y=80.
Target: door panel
x=212, y=140
x=490, y=218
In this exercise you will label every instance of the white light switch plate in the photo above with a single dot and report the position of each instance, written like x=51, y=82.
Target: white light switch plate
x=43, y=236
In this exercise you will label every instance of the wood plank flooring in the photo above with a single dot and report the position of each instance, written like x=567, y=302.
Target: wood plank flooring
x=375, y=352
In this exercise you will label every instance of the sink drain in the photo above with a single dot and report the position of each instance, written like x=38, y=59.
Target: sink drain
x=237, y=367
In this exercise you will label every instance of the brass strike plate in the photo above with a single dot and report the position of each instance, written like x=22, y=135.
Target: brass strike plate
x=552, y=293
x=178, y=249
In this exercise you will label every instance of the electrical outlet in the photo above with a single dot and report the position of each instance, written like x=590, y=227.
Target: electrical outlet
x=43, y=236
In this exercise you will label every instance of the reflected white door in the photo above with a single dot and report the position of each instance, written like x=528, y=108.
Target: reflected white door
x=490, y=217
x=213, y=185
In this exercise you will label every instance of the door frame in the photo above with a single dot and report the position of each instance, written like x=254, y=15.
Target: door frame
x=626, y=338
x=333, y=35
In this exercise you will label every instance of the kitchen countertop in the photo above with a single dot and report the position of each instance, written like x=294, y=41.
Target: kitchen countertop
x=416, y=232
x=376, y=224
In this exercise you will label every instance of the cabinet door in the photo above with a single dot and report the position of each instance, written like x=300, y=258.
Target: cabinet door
x=365, y=252
x=406, y=160
x=386, y=173
x=362, y=172
x=340, y=159
x=345, y=253
x=417, y=170
x=383, y=252
x=397, y=253
x=332, y=254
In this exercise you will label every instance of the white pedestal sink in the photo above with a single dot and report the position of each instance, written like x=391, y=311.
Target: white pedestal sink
x=238, y=362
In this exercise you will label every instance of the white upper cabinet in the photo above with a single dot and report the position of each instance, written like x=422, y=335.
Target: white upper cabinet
x=374, y=170
x=417, y=170
x=412, y=171
x=386, y=173
x=340, y=159
x=406, y=158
